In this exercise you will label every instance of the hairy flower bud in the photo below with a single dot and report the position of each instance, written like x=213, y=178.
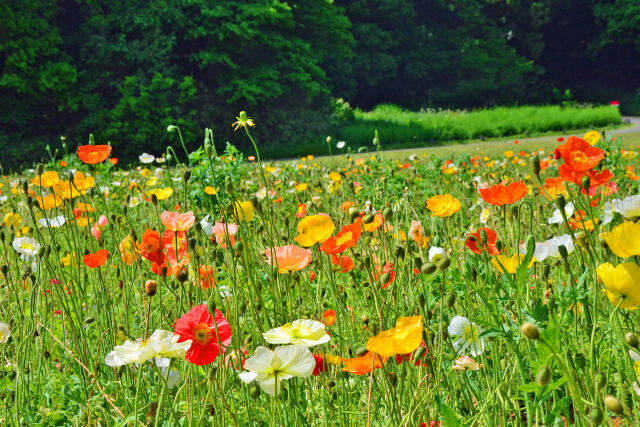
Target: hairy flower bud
x=150, y=287
x=631, y=339
x=613, y=404
x=530, y=331
x=543, y=376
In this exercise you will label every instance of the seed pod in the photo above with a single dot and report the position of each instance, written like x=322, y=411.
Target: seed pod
x=631, y=339
x=613, y=404
x=543, y=376
x=530, y=331
x=428, y=268
x=387, y=213
x=254, y=392
x=451, y=299
x=600, y=380
x=484, y=238
x=365, y=319
x=444, y=263
x=150, y=287
x=596, y=416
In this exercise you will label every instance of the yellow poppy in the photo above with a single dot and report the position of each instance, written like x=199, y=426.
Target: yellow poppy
x=622, y=283
x=65, y=190
x=83, y=182
x=47, y=179
x=443, y=205
x=624, y=239
x=302, y=186
x=314, y=229
x=592, y=137
x=210, y=190
x=403, y=339
x=510, y=264
x=244, y=211
x=49, y=201
x=12, y=220
x=161, y=193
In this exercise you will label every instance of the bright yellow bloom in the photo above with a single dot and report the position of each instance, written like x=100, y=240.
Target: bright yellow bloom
x=314, y=229
x=49, y=201
x=65, y=190
x=403, y=339
x=12, y=220
x=443, y=205
x=244, y=211
x=510, y=264
x=83, y=182
x=210, y=190
x=47, y=179
x=621, y=282
x=161, y=193
x=302, y=186
x=508, y=154
x=335, y=177
x=592, y=137
x=242, y=121
x=624, y=239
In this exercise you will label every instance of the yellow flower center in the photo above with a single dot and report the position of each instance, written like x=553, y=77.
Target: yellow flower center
x=579, y=157
x=26, y=245
x=202, y=333
x=470, y=333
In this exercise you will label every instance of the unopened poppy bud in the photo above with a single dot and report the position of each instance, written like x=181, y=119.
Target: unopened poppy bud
x=562, y=250
x=600, y=380
x=182, y=274
x=535, y=165
x=582, y=239
x=530, y=331
x=398, y=252
x=365, y=319
x=368, y=219
x=631, y=339
x=444, y=263
x=187, y=176
x=168, y=157
x=40, y=169
x=120, y=284
x=150, y=287
x=387, y=213
x=484, y=238
x=586, y=182
x=25, y=187
x=354, y=213
x=543, y=376
x=238, y=246
x=417, y=262
x=596, y=416
x=428, y=268
x=154, y=199
x=422, y=300
x=88, y=320
x=499, y=245
x=228, y=184
x=254, y=393
x=46, y=354
x=451, y=299
x=561, y=202
x=613, y=404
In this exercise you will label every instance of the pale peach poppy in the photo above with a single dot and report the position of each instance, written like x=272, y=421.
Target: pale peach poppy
x=289, y=258
x=176, y=221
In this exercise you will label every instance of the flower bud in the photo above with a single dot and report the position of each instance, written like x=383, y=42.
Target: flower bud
x=422, y=300
x=444, y=263
x=530, y=331
x=186, y=176
x=562, y=249
x=153, y=410
x=579, y=360
x=451, y=299
x=393, y=378
x=543, y=376
x=154, y=199
x=398, y=252
x=212, y=308
x=600, y=380
x=182, y=274
x=428, y=268
x=254, y=393
x=417, y=262
x=596, y=416
x=535, y=165
x=150, y=287
x=586, y=182
x=613, y=404
x=631, y=339
x=387, y=213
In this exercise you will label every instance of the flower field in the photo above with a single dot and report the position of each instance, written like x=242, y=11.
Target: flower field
x=207, y=288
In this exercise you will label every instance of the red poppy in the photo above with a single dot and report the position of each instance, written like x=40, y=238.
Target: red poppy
x=209, y=337
x=346, y=264
x=96, y=260
x=63, y=163
x=596, y=178
x=93, y=154
x=329, y=317
x=579, y=155
x=321, y=365
x=388, y=268
x=474, y=241
x=312, y=276
x=151, y=246
x=504, y=194
x=345, y=239
x=410, y=356
x=113, y=160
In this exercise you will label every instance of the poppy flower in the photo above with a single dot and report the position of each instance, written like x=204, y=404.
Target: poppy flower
x=209, y=336
x=47, y=179
x=504, y=194
x=97, y=259
x=289, y=258
x=387, y=269
x=345, y=239
x=151, y=246
x=129, y=250
x=363, y=364
x=443, y=205
x=624, y=239
x=404, y=338
x=329, y=317
x=93, y=154
x=579, y=155
x=207, y=277
x=346, y=263
x=243, y=211
x=378, y=220
x=552, y=187
x=321, y=365
x=510, y=264
x=596, y=178
x=96, y=230
x=302, y=210
x=621, y=282
x=176, y=221
x=474, y=241
x=314, y=229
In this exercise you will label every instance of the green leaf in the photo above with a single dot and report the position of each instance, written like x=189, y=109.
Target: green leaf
x=449, y=418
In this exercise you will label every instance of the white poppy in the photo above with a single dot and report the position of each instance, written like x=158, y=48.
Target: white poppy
x=556, y=218
x=5, y=333
x=160, y=344
x=629, y=207
x=146, y=158
x=160, y=159
x=172, y=377
x=26, y=246
x=340, y=145
x=302, y=331
x=436, y=254
x=134, y=201
x=484, y=215
x=550, y=248
x=609, y=211
x=206, y=225
x=468, y=336
x=269, y=368
x=465, y=363
x=53, y=222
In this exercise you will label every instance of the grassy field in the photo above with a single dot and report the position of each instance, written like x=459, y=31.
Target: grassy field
x=398, y=128
x=474, y=288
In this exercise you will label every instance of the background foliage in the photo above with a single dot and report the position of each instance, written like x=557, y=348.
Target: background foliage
x=125, y=70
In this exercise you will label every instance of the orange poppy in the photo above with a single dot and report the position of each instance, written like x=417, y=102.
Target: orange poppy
x=176, y=221
x=96, y=260
x=596, y=178
x=113, y=160
x=302, y=210
x=504, y=194
x=329, y=317
x=345, y=239
x=93, y=154
x=289, y=258
x=346, y=264
x=474, y=241
x=151, y=246
x=363, y=364
x=579, y=155
x=553, y=187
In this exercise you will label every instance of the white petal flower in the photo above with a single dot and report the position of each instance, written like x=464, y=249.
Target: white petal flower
x=465, y=363
x=609, y=210
x=58, y=221
x=556, y=218
x=468, y=335
x=550, y=248
x=436, y=254
x=26, y=246
x=303, y=331
x=340, y=145
x=146, y=158
x=485, y=213
x=629, y=207
x=160, y=344
x=269, y=368
x=5, y=333
x=206, y=225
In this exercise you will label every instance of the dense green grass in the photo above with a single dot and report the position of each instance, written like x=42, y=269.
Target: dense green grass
x=400, y=128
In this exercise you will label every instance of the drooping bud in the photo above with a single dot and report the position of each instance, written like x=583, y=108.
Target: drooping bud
x=212, y=308
x=543, y=376
x=354, y=213
x=631, y=339
x=530, y=331
x=444, y=263
x=428, y=268
x=150, y=287
x=600, y=380
x=387, y=213
x=613, y=404
x=535, y=165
